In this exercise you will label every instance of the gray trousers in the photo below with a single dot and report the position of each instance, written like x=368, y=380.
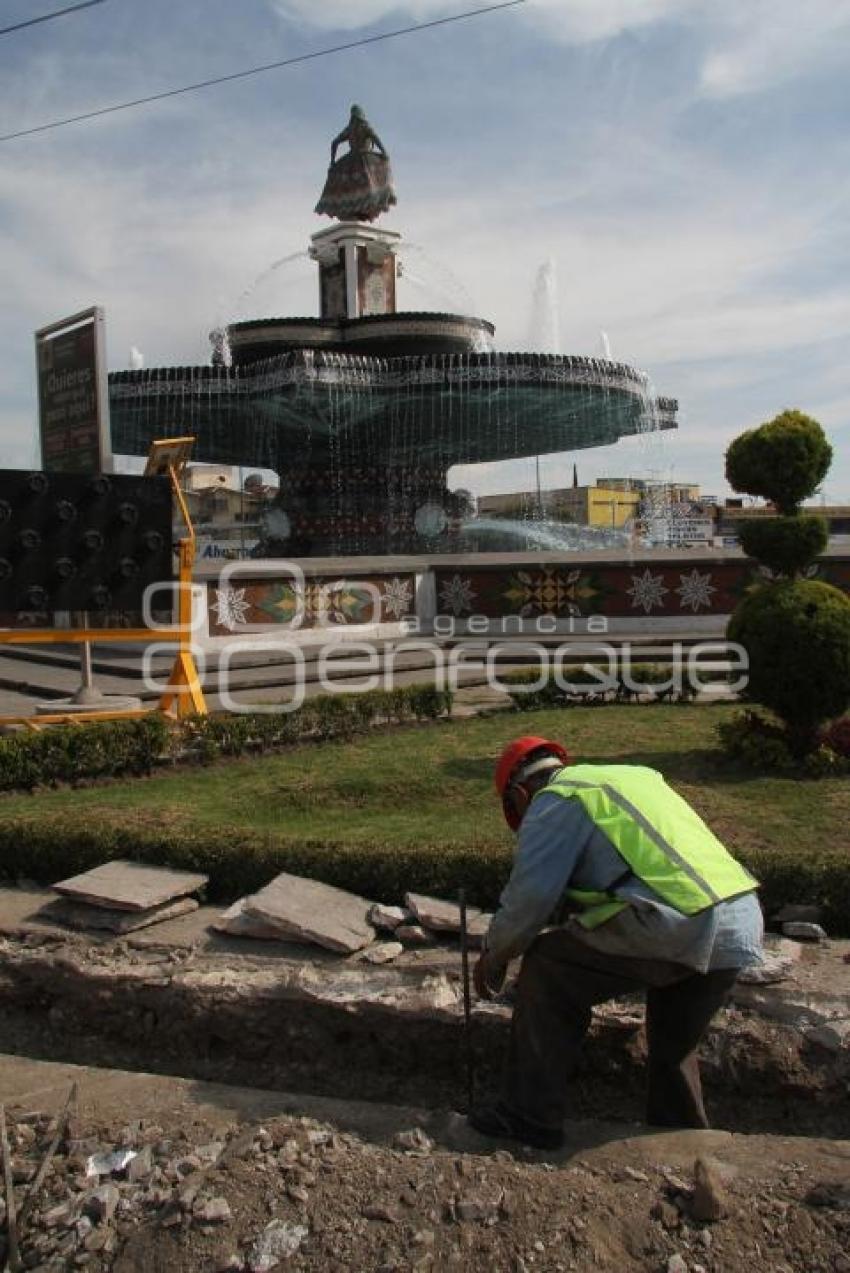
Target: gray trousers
x=560, y=981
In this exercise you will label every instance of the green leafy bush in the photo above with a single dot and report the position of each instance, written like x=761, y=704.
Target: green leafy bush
x=756, y=743
x=797, y=636
x=784, y=461
x=787, y=545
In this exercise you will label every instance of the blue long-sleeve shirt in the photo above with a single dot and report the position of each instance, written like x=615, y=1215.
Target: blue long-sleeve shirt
x=559, y=845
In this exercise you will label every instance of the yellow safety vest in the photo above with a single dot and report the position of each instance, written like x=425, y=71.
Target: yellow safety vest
x=663, y=841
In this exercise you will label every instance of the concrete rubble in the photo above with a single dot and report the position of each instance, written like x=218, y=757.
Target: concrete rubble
x=793, y=911
x=801, y=930
x=778, y=964
x=388, y=917
x=383, y=952
x=414, y=935
x=296, y=909
x=291, y=1191
x=437, y=915
x=279, y=1241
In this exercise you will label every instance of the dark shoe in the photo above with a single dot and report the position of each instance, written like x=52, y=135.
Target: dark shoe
x=503, y=1124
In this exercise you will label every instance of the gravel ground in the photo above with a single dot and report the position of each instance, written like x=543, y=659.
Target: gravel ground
x=296, y=1194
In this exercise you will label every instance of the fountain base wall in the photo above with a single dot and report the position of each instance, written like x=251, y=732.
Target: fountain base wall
x=485, y=595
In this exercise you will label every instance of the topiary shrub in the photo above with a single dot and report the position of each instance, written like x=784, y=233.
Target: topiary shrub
x=797, y=635
x=784, y=461
x=786, y=545
x=796, y=631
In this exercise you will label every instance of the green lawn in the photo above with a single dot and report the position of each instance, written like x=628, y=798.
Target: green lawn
x=432, y=785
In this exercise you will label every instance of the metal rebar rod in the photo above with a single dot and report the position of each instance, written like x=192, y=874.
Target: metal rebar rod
x=467, y=1001
x=13, y=1260
x=58, y=1133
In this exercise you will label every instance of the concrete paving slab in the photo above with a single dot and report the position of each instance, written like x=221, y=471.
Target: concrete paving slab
x=309, y=911
x=130, y=886
x=437, y=914
x=84, y=916
x=237, y=923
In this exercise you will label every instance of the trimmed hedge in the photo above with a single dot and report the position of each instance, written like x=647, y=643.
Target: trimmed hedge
x=75, y=752
x=112, y=749
x=558, y=692
x=238, y=863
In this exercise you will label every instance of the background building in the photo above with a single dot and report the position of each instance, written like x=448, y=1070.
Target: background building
x=226, y=516
x=735, y=512
x=669, y=513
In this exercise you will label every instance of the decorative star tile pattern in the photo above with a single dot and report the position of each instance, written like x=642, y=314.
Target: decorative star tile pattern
x=231, y=607
x=318, y=602
x=457, y=595
x=398, y=597
x=647, y=591
x=695, y=591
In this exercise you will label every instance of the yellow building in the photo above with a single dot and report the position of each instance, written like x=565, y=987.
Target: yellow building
x=595, y=506
x=608, y=507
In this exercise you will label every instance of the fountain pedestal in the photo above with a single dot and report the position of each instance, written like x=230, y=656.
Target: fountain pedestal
x=357, y=270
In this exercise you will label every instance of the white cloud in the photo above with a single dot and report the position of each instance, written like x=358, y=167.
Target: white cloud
x=763, y=42
x=748, y=45
x=569, y=20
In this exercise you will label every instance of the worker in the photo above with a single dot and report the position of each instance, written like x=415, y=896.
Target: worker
x=617, y=886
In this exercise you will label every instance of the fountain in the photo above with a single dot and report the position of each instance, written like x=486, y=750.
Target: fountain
x=363, y=410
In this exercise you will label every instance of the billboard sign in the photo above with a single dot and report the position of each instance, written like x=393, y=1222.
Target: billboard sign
x=73, y=402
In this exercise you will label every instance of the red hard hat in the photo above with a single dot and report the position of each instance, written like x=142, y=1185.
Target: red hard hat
x=513, y=756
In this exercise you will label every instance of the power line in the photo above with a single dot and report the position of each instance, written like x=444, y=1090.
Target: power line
x=259, y=70
x=47, y=17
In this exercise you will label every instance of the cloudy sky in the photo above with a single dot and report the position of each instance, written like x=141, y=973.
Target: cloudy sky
x=683, y=164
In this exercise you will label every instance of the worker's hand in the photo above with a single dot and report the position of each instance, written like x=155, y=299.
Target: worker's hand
x=488, y=977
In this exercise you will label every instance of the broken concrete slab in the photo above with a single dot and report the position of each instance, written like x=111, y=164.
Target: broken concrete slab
x=414, y=935
x=305, y=910
x=777, y=963
x=388, y=917
x=236, y=922
x=438, y=915
x=83, y=915
x=130, y=886
x=383, y=952
x=798, y=912
x=802, y=931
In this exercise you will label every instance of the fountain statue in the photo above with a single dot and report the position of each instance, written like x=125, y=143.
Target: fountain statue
x=360, y=184
x=363, y=410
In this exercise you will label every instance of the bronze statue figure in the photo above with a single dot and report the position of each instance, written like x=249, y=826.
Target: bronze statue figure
x=360, y=184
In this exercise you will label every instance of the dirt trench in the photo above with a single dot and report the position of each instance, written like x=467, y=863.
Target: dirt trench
x=251, y=1024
